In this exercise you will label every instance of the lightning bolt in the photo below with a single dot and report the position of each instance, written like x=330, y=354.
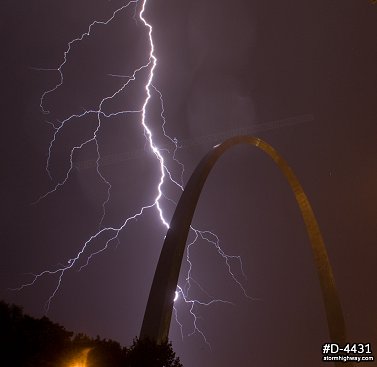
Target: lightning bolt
x=107, y=235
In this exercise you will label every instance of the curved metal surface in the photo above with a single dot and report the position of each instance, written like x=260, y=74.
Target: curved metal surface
x=159, y=308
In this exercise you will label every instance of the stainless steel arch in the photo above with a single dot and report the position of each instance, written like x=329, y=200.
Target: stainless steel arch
x=159, y=308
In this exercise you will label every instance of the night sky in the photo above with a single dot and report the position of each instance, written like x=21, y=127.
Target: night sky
x=300, y=75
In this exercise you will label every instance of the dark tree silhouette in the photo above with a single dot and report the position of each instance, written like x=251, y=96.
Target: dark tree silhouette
x=106, y=352
x=146, y=353
x=29, y=342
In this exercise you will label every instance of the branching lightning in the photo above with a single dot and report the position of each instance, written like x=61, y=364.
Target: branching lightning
x=109, y=234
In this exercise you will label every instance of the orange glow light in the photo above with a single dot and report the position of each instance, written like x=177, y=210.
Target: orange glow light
x=82, y=359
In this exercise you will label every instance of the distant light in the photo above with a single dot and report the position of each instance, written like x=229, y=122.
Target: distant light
x=81, y=360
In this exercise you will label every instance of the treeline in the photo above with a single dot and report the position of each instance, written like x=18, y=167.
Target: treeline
x=26, y=341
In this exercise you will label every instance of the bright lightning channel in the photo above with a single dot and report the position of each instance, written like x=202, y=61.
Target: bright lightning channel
x=109, y=234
